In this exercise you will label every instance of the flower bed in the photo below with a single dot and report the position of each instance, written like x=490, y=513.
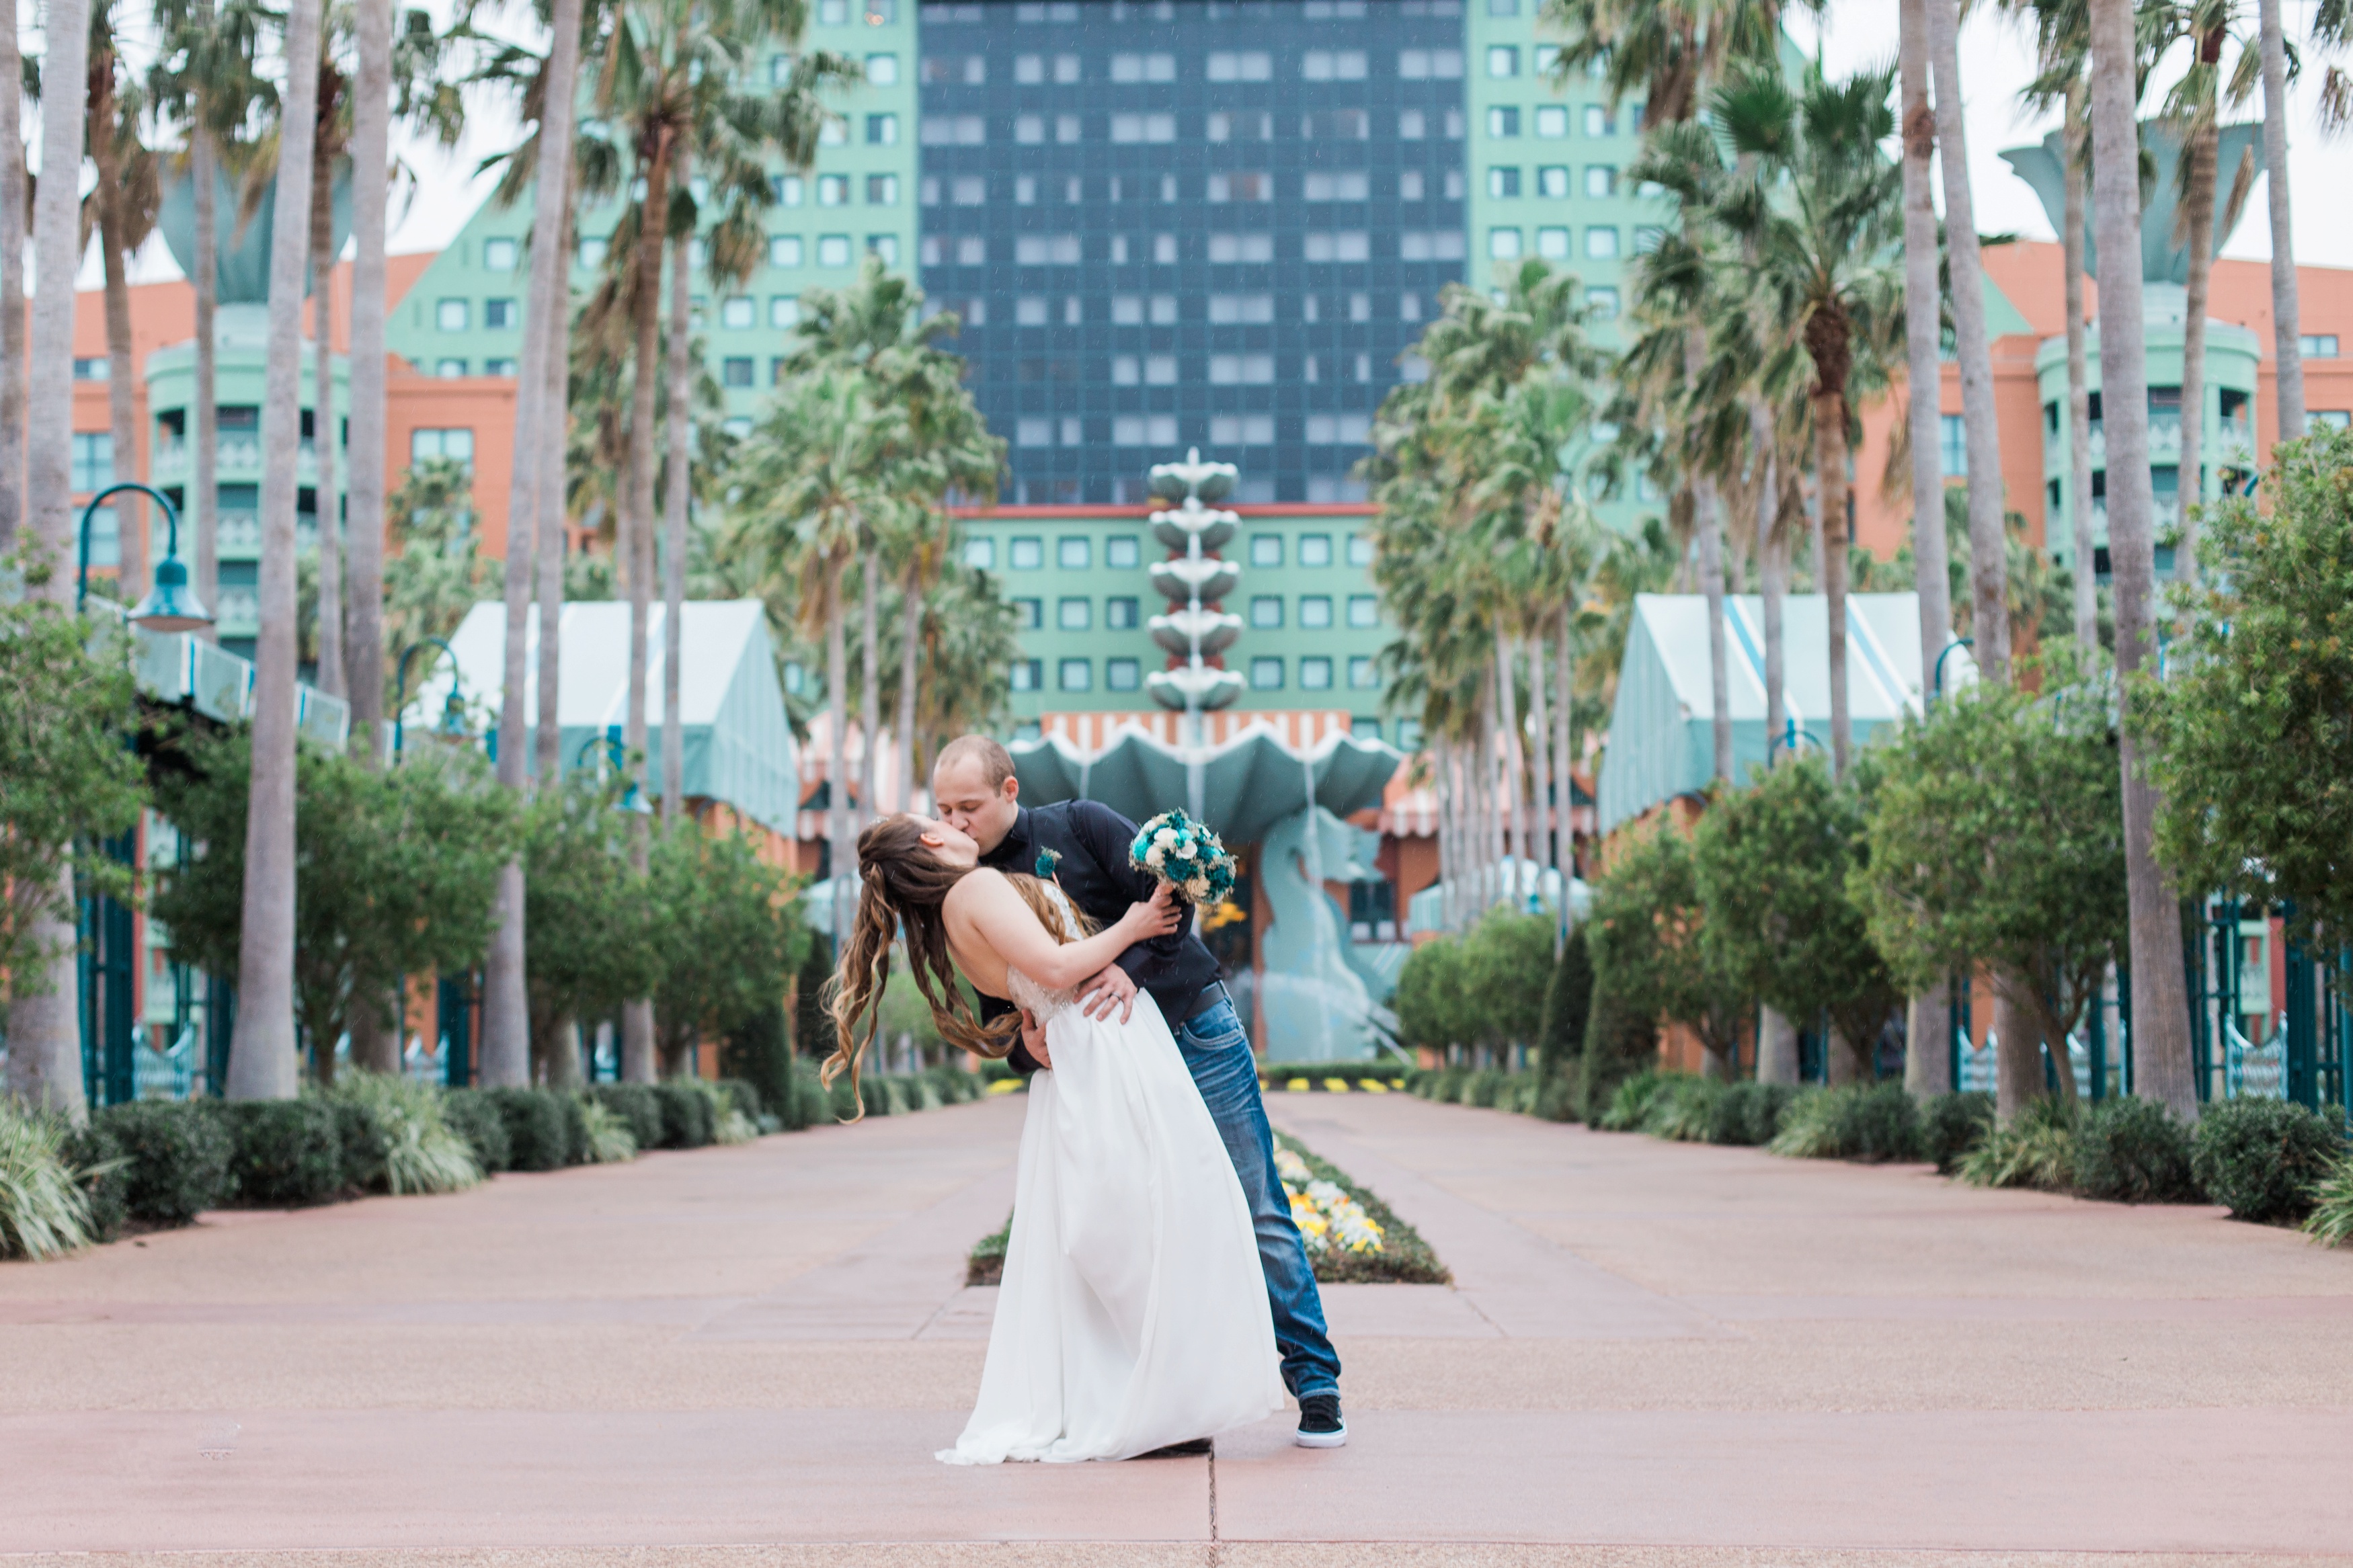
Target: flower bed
x=1352, y=1236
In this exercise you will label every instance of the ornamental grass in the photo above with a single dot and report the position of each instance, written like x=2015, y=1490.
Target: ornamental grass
x=413, y=1148
x=44, y=1210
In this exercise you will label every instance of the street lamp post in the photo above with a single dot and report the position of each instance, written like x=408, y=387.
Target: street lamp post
x=633, y=800
x=453, y=711
x=1956, y=643
x=170, y=605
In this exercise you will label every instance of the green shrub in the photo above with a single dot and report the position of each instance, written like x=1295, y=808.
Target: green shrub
x=289, y=1153
x=1620, y=1041
x=2035, y=1148
x=1483, y=1086
x=1766, y=1107
x=687, y=1121
x=742, y=1097
x=1880, y=1121
x=843, y=1101
x=1728, y=1113
x=538, y=1127
x=575, y=1113
x=1447, y=1088
x=1682, y=1109
x=95, y=1158
x=366, y=1142
x=415, y=1149
x=2263, y=1159
x=608, y=1140
x=758, y=1055
x=1556, y=1099
x=1630, y=1102
x=43, y=1199
x=474, y=1117
x=809, y=1103
x=1953, y=1124
x=1568, y=1004
x=2331, y=1220
x=176, y=1154
x=637, y=1106
x=2132, y=1150
x=1809, y=1126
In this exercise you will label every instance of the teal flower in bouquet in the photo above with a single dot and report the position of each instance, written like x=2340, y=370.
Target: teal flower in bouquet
x=1185, y=854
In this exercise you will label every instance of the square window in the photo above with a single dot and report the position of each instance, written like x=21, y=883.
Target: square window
x=833, y=13
x=1552, y=182
x=1027, y=554
x=1266, y=675
x=1502, y=61
x=980, y=555
x=1029, y=310
x=1503, y=182
x=1122, y=674
x=93, y=461
x=450, y=369
x=737, y=313
x=450, y=315
x=784, y=250
x=1028, y=674
x=1601, y=180
x=1033, y=432
x=1120, y=615
x=1602, y=303
x=1315, y=612
x=1073, y=431
x=969, y=191
x=786, y=190
x=1126, y=370
x=882, y=70
x=833, y=131
x=1552, y=122
x=833, y=250
x=2317, y=345
x=1360, y=554
x=498, y=367
x=1122, y=552
x=1316, y=674
x=883, y=247
x=1413, y=125
x=881, y=190
x=1503, y=123
x=784, y=312
x=1552, y=243
x=1160, y=370
x=1163, y=309
x=972, y=250
x=1074, y=614
x=1266, y=550
x=1029, y=614
x=1266, y=613
x=1073, y=552
x=1504, y=243
x=456, y=445
x=501, y=315
x=1596, y=120
x=833, y=190
x=735, y=372
x=1314, y=550
x=1076, y=675
x=1128, y=310
x=1364, y=609
x=881, y=130
x=500, y=255
x=1601, y=243
x=1363, y=673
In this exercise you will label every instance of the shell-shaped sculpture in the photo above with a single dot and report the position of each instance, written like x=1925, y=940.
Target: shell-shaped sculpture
x=1200, y=685
x=1186, y=578
x=1175, y=529
x=1175, y=630
x=1193, y=477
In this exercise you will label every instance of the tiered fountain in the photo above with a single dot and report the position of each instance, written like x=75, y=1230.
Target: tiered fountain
x=1194, y=582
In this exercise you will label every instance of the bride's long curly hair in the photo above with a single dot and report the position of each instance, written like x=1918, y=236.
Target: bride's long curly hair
x=903, y=886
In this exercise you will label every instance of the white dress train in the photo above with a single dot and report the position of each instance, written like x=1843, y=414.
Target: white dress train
x=1134, y=1311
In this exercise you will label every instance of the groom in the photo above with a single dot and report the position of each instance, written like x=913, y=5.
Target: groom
x=1083, y=845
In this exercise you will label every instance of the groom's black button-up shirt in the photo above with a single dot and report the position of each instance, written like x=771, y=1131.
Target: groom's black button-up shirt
x=1090, y=840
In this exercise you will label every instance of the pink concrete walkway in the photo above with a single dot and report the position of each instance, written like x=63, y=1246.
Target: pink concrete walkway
x=1652, y=1354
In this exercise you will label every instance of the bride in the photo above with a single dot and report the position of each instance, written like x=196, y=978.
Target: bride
x=1134, y=1312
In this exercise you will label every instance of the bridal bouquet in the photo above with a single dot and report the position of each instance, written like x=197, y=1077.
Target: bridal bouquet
x=1181, y=851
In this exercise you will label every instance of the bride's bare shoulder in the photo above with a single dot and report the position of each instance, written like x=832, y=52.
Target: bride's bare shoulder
x=976, y=883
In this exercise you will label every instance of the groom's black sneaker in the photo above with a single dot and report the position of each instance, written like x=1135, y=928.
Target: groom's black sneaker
x=1320, y=1425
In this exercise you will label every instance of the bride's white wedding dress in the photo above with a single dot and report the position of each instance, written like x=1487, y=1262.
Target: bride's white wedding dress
x=1134, y=1311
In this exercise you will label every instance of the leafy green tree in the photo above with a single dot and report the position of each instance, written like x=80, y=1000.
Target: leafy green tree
x=394, y=872
x=724, y=934
x=588, y=916
x=1506, y=960
x=1995, y=836
x=1771, y=863
x=2251, y=741
x=1648, y=937
x=1429, y=995
x=1568, y=1001
x=66, y=775
x=438, y=572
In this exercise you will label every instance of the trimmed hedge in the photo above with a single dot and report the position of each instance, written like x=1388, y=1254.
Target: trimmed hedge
x=1953, y=1124
x=687, y=1121
x=177, y=1154
x=637, y=1106
x=363, y=1142
x=93, y=1149
x=475, y=1117
x=286, y=1152
x=538, y=1126
x=2263, y=1159
x=2132, y=1150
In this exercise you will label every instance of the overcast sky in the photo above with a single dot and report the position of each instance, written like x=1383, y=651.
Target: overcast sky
x=1996, y=61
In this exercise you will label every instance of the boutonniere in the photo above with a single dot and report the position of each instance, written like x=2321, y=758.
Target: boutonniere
x=1045, y=864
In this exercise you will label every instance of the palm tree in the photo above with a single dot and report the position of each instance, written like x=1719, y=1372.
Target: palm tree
x=123, y=202
x=2160, y=1002
x=372, y=32
x=506, y=1000
x=1823, y=212
x=1988, y=536
x=1923, y=313
x=330, y=141
x=2287, y=348
x=12, y=286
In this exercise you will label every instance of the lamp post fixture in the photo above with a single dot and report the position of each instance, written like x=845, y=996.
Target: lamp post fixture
x=633, y=799
x=170, y=605
x=1938, y=686
x=453, y=709
x=1196, y=580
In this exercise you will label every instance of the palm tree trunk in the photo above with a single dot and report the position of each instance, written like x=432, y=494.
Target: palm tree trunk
x=1989, y=576
x=2160, y=1001
x=1830, y=465
x=203, y=511
x=371, y=1047
x=837, y=763
x=2191, y=488
x=262, y=1063
x=870, y=717
x=1564, y=756
x=911, y=627
x=2079, y=378
x=1777, y=1048
x=1922, y=307
x=1514, y=816
x=123, y=415
x=675, y=497
x=551, y=300
x=1709, y=508
x=329, y=676
x=1540, y=759
x=43, y=1028
x=2287, y=350
x=1773, y=572
x=1494, y=822
x=12, y=290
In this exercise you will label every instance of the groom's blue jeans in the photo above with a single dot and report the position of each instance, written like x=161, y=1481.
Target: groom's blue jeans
x=1218, y=1053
